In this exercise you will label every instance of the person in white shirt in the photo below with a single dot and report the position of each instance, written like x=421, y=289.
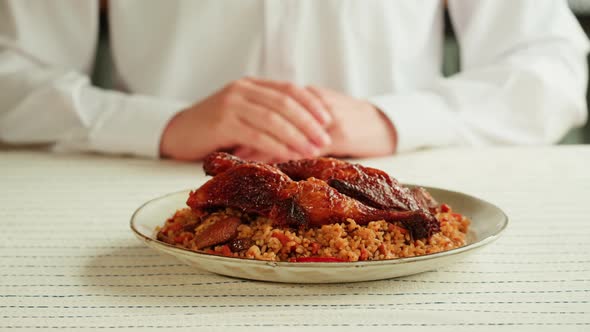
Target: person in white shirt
x=275, y=80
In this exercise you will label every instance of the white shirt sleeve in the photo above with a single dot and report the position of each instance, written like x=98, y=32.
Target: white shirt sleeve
x=523, y=79
x=45, y=93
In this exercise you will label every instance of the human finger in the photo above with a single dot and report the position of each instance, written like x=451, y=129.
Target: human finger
x=288, y=108
x=246, y=135
x=308, y=100
x=270, y=159
x=272, y=123
x=244, y=152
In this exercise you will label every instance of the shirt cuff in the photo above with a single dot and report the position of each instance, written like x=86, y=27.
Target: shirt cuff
x=421, y=119
x=127, y=124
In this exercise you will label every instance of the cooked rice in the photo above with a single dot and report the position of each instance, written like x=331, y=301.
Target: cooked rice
x=346, y=241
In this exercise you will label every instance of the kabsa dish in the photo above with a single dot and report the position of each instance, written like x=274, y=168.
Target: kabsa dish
x=310, y=210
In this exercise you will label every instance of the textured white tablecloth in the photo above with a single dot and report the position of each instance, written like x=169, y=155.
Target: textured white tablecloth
x=69, y=260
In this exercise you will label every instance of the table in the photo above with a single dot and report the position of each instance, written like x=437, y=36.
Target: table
x=69, y=261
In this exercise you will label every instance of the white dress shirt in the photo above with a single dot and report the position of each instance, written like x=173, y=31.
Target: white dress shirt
x=523, y=62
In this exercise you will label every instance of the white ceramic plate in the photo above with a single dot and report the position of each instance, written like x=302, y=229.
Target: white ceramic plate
x=488, y=222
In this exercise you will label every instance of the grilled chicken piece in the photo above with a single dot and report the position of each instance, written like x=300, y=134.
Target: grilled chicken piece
x=313, y=202
x=265, y=190
x=369, y=185
x=424, y=199
x=250, y=188
x=219, y=162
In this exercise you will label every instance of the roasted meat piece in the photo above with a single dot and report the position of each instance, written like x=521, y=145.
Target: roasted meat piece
x=250, y=188
x=424, y=199
x=313, y=202
x=267, y=191
x=219, y=162
x=368, y=185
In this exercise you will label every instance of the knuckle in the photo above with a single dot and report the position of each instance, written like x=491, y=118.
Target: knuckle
x=291, y=88
x=308, y=124
x=271, y=118
x=235, y=86
x=299, y=143
x=285, y=101
x=297, y=136
x=221, y=121
x=227, y=100
x=312, y=88
x=282, y=151
x=255, y=136
x=290, y=135
x=314, y=91
x=316, y=104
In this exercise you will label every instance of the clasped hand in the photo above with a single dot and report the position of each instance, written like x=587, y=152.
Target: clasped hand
x=275, y=121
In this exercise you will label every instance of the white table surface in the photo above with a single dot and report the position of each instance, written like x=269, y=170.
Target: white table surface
x=69, y=260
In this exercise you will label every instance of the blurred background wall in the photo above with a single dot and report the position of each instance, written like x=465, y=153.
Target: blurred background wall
x=581, y=9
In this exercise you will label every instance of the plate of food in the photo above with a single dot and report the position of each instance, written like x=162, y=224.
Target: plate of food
x=319, y=220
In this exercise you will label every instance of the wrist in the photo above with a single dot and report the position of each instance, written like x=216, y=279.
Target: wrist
x=387, y=130
x=169, y=141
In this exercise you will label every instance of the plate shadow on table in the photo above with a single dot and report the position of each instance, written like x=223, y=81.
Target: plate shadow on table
x=132, y=274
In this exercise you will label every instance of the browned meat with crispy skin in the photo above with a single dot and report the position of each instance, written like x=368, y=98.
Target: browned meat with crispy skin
x=313, y=202
x=219, y=162
x=424, y=199
x=251, y=188
x=265, y=190
x=369, y=185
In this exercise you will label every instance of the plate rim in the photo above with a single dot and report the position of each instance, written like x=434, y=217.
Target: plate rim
x=314, y=265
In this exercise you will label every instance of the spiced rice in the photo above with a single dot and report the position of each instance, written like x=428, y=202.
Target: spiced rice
x=348, y=241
